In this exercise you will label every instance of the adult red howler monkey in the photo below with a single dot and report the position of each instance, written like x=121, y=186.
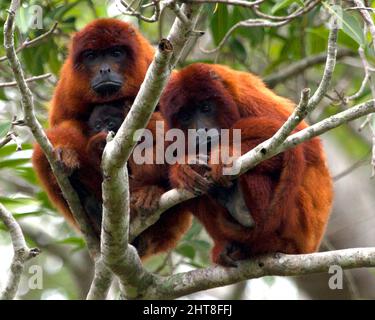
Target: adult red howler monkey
x=107, y=62
x=289, y=196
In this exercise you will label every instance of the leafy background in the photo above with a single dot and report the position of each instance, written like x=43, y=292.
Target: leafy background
x=264, y=51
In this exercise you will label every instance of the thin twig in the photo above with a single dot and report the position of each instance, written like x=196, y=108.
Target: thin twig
x=296, y=68
x=240, y=3
x=350, y=169
x=130, y=11
x=300, y=11
x=251, y=23
x=28, y=80
x=33, y=42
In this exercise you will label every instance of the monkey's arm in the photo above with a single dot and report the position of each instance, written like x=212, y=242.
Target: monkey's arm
x=68, y=141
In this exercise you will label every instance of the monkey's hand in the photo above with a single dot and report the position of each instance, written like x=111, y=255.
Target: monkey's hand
x=95, y=147
x=67, y=158
x=218, y=175
x=222, y=166
x=190, y=177
x=145, y=201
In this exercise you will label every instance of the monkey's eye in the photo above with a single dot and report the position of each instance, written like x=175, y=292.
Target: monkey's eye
x=98, y=127
x=111, y=125
x=89, y=55
x=116, y=53
x=206, y=108
x=184, y=117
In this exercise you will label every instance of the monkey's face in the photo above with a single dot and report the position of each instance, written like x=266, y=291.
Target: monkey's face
x=196, y=98
x=105, y=69
x=202, y=118
x=105, y=118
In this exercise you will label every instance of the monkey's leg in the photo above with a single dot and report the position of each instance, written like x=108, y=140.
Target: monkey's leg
x=89, y=202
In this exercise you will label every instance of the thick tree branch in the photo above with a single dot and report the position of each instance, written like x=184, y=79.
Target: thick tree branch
x=261, y=153
x=101, y=282
x=120, y=257
x=40, y=136
x=22, y=253
x=278, y=265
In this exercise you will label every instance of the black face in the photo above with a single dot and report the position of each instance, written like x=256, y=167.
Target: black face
x=202, y=118
x=105, y=118
x=105, y=67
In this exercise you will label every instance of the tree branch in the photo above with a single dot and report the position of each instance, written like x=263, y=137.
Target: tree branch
x=250, y=23
x=30, y=120
x=32, y=79
x=120, y=257
x=34, y=42
x=22, y=253
x=240, y=3
x=277, y=265
x=296, y=68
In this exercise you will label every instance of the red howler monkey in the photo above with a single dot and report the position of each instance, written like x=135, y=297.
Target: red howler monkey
x=289, y=196
x=107, y=62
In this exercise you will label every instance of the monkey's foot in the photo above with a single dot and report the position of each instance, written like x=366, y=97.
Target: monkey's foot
x=230, y=255
x=146, y=200
x=184, y=176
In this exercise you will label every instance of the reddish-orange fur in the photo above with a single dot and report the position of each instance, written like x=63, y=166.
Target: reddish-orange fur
x=289, y=196
x=72, y=104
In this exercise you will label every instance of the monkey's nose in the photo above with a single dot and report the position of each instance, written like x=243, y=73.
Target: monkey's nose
x=105, y=70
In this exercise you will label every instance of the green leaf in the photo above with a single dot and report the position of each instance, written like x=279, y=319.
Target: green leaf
x=10, y=148
x=13, y=163
x=194, y=231
x=220, y=23
x=238, y=49
x=75, y=241
x=4, y=128
x=350, y=25
x=200, y=245
x=186, y=250
x=353, y=28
